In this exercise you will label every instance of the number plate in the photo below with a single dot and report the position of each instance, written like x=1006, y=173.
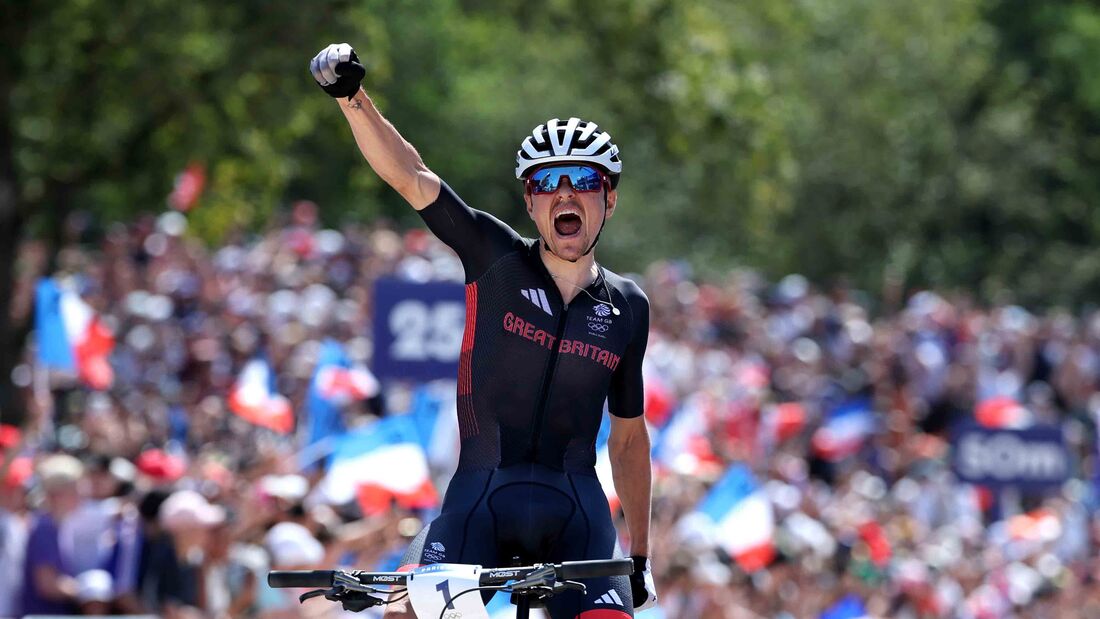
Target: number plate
x=435, y=589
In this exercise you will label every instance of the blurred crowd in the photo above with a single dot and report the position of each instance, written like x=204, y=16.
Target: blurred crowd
x=152, y=498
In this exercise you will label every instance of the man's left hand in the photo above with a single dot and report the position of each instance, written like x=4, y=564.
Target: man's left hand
x=641, y=584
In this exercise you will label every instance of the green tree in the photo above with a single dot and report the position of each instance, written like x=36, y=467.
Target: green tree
x=946, y=143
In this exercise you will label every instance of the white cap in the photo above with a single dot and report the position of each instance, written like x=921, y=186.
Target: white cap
x=94, y=586
x=59, y=470
x=292, y=545
x=187, y=509
x=289, y=487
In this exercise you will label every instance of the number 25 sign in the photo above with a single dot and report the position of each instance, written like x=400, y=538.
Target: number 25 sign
x=417, y=329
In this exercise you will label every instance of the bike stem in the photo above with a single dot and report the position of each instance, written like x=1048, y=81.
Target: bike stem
x=523, y=607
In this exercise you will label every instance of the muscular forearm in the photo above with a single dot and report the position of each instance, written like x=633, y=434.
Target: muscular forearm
x=631, y=471
x=389, y=155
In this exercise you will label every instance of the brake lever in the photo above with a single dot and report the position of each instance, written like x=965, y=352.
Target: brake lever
x=569, y=585
x=353, y=600
x=312, y=594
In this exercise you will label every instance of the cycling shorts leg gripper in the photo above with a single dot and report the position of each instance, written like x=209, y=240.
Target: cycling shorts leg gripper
x=604, y=613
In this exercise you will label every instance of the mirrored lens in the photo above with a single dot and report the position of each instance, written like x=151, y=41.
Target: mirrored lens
x=582, y=178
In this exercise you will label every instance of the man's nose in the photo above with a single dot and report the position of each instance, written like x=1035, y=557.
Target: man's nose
x=565, y=186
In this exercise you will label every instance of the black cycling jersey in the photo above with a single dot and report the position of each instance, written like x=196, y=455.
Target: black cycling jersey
x=533, y=377
x=534, y=373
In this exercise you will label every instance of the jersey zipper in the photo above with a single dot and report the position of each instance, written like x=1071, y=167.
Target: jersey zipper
x=547, y=378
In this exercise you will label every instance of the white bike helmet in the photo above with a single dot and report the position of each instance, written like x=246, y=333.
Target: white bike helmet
x=575, y=140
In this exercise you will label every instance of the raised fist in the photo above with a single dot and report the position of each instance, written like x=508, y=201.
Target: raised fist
x=337, y=70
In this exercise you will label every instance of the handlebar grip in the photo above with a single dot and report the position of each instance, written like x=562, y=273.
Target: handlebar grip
x=299, y=578
x=597, y=568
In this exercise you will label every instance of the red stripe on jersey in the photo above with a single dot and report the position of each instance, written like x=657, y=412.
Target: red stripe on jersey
x=467, y=421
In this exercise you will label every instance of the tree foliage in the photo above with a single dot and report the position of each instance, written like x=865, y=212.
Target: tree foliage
x=946, y=143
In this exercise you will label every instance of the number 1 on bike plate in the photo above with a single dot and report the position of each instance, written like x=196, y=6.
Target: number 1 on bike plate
x=434, y=590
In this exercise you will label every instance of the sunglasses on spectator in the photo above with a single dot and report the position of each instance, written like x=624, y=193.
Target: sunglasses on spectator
x=583, y=178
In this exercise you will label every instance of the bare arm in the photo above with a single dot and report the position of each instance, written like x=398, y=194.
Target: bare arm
x=628, y=447
x=53, y=585
x=389, y=155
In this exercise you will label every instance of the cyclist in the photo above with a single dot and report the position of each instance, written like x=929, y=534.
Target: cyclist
x=550, y=336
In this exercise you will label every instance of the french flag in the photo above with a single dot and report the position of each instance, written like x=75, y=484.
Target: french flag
x=742, y=515
x=254, y=399
x=684, y=445
x=378, y=465
x=336, y=383
x=845, y=429
x=70, y=336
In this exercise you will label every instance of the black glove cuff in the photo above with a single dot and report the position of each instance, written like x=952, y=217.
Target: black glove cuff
x=641, y=563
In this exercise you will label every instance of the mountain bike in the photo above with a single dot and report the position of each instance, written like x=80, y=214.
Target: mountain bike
x=439, y=590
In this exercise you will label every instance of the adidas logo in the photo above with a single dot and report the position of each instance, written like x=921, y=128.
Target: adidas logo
x=538, y=297
x=611, y=597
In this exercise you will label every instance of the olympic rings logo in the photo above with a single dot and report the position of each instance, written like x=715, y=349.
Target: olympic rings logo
x=598, y=327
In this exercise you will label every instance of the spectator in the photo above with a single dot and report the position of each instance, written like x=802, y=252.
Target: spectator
x=231, y=574
x=738, y=370
x=145, y=563
x=189, y=518
x=13, y=532
x=49, y=586
x=292, y=547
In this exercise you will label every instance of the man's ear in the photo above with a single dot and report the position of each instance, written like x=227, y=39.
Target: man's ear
x=612, y=200
x=530, y=205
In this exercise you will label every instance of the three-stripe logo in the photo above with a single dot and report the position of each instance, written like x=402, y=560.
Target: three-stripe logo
x=611, y=597
x=538, y=297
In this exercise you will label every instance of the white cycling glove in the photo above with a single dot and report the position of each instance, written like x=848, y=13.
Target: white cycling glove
x=337, y=70
x=641, y=584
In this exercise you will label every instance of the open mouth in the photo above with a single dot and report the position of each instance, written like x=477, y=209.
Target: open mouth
x=567, y=223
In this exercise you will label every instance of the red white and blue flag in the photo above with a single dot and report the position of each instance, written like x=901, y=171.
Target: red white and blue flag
x=336, y=383
x=683, y=446
x=742, y=515
x=70, y=335
x=254, y=398
x=379, y=465
x=846, y=428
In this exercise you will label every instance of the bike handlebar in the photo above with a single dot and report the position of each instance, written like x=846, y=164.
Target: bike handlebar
x=570, y=570
x=566, y=570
